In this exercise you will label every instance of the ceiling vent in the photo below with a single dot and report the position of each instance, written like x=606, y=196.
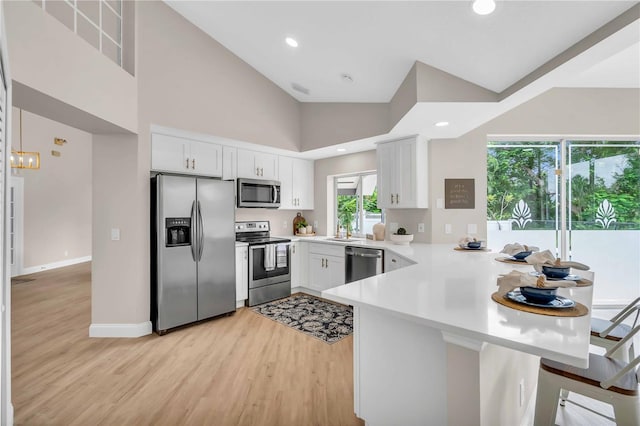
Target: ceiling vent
x=299, y=88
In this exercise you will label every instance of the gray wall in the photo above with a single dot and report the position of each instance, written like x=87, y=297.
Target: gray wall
x=57, y=197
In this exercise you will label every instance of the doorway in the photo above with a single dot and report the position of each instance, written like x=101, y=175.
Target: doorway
x=580, y=199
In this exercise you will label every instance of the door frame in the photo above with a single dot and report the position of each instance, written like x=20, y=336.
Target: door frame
x=17, y=186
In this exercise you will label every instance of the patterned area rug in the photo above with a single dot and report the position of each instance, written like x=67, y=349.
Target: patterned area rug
x=324, y=320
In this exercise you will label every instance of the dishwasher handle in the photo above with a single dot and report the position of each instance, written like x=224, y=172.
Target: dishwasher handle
x=360, y=252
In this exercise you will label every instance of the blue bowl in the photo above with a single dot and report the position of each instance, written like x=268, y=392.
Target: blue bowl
x=555, y=271
x=539, y=295
x=522, y=255
x=474, y=244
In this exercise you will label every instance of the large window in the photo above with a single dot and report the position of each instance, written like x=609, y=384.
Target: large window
x=98, y=22
x=356, y=203
x=578, y=198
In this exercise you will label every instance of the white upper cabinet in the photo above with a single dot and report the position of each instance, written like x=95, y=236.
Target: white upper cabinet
x=182, y=155
x=229, y=163
x=297, y=182
x=257, y=165
x=403, y=174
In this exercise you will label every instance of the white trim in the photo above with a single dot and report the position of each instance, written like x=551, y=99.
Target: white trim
x=240, y=303
x=557, y=137
x=54, y=265
x=17, y=184
x=465, y=342
x=120, y=330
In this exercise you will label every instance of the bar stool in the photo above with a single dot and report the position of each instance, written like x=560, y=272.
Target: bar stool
x=607, y=379
x=607, y=333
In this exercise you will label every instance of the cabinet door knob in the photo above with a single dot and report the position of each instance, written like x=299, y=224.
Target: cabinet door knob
x=187, y=163
x=322, y=262
x=391, y=198
x=193, y=164
x=327, y=263
x=397, y=199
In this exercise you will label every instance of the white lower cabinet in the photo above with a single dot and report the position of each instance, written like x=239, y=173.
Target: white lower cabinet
x=392, y=261
x=242, y=273
x=298, y=264
x=325, y=266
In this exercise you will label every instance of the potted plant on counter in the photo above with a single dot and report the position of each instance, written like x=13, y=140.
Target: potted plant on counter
x=401, y=237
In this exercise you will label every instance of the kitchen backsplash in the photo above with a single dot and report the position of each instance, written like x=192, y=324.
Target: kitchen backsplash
x=281, y=220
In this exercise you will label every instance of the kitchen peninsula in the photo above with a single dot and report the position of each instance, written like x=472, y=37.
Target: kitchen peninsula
x=431, y=347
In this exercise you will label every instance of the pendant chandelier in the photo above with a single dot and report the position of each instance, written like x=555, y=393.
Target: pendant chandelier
x=22, y=159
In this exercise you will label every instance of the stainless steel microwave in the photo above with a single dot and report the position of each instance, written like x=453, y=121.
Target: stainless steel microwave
x=258, y=193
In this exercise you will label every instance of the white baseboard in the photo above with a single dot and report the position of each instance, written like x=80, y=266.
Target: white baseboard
x=120, y=330
x=306, y=290
x=10, y=412
x=239, y=304
x=54, y=265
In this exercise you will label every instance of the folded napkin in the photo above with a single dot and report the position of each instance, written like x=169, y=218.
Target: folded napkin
x=516, y=279
x=516, y=248
x=547, y=258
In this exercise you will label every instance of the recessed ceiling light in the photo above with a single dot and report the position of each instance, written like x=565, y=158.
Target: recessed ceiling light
x=291, y=41
x=484, y=7
x=341, y=149
x=442, y=124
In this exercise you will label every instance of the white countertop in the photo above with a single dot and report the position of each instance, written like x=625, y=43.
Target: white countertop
x=451, y=291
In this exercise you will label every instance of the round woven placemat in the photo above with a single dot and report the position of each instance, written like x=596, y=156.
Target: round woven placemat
x=463, y=249
x=577, y=311
x=513, y=262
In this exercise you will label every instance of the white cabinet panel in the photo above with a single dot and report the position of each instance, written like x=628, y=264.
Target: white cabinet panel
x=206, y=158
x=182, y=155
x=257, y=165
x=229, y=163
x=403, y=173
x=297, y=182
x=393, y=261
x=326, y=266
x=242, y=273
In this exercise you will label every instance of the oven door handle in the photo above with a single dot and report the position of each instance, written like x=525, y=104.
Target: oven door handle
x=257, y=247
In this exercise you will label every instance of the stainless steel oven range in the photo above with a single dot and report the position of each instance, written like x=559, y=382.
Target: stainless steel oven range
x=269, y=262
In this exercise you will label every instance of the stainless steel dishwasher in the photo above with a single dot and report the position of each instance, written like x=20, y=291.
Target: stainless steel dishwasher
x=362, y=263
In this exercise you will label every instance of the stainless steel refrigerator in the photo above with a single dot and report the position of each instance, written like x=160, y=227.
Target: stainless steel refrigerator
x=192, y=250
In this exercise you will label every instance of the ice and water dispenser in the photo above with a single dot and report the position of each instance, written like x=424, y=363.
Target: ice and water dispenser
x=178, y=231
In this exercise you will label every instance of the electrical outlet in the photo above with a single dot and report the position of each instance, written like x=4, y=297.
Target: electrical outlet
x=315, y=224
x=284, y=225
x=421, y=227
x=447, y=228
x=521, y=392
x=66, y=253
x=115, y=234
x=440, y=203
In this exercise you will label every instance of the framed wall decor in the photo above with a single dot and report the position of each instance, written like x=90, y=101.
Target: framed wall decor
x=459, y=194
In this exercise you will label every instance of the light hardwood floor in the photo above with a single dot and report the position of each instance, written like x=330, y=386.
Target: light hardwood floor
x=239, y=370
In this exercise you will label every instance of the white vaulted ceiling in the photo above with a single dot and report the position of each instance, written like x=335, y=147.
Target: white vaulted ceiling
x=520, y=51
x=377, y=42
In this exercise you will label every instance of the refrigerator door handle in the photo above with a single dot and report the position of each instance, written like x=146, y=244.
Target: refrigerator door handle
x=200, y=233
x=193, y=230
